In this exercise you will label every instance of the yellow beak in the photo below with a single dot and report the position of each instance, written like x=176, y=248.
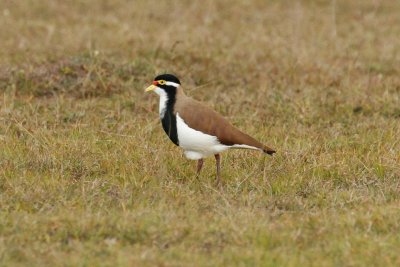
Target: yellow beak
x=150, y=88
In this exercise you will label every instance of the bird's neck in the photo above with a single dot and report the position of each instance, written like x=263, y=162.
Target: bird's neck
x=167, y=101
x=167, y=116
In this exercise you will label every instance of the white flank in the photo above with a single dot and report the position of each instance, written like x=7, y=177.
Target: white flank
x=163, y=101
x=196, y=144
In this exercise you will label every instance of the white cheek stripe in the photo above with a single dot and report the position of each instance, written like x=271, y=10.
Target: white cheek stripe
x=172, y=84
x=163, y=100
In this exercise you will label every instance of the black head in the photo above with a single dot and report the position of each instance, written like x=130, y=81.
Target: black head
x=167, y=78
x=165, y=84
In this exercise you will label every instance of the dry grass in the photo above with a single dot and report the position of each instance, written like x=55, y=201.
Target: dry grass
x=87, y=177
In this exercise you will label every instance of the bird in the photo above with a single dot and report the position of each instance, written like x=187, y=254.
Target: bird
x=197, y=129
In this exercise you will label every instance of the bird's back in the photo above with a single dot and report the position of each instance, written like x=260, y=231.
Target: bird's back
x=206, y=120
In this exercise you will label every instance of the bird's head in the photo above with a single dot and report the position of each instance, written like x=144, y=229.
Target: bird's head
x=164, y=84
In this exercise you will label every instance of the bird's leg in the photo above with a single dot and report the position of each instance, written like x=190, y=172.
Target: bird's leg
x=218, y=161
x=199, y=166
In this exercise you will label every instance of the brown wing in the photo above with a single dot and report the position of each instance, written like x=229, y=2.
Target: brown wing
x=206, y=120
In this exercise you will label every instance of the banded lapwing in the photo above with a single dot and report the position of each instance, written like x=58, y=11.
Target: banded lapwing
x=197, y=129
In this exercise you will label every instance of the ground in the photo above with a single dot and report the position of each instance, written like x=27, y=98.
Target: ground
x=88, y=177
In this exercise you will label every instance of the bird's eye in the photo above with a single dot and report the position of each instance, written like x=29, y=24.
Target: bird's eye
x=162, y=82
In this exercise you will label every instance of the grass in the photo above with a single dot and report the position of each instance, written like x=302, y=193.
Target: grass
x=88, y=178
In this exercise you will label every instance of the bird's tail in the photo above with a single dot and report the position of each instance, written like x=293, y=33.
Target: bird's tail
x=269, y=150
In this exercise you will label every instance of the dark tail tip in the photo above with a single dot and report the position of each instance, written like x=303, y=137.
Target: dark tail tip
x=269, y=151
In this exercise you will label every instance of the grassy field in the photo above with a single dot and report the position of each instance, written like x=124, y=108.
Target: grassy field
x=88, y=177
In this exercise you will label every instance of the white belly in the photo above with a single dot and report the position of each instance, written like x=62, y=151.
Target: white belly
x=196, y=144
